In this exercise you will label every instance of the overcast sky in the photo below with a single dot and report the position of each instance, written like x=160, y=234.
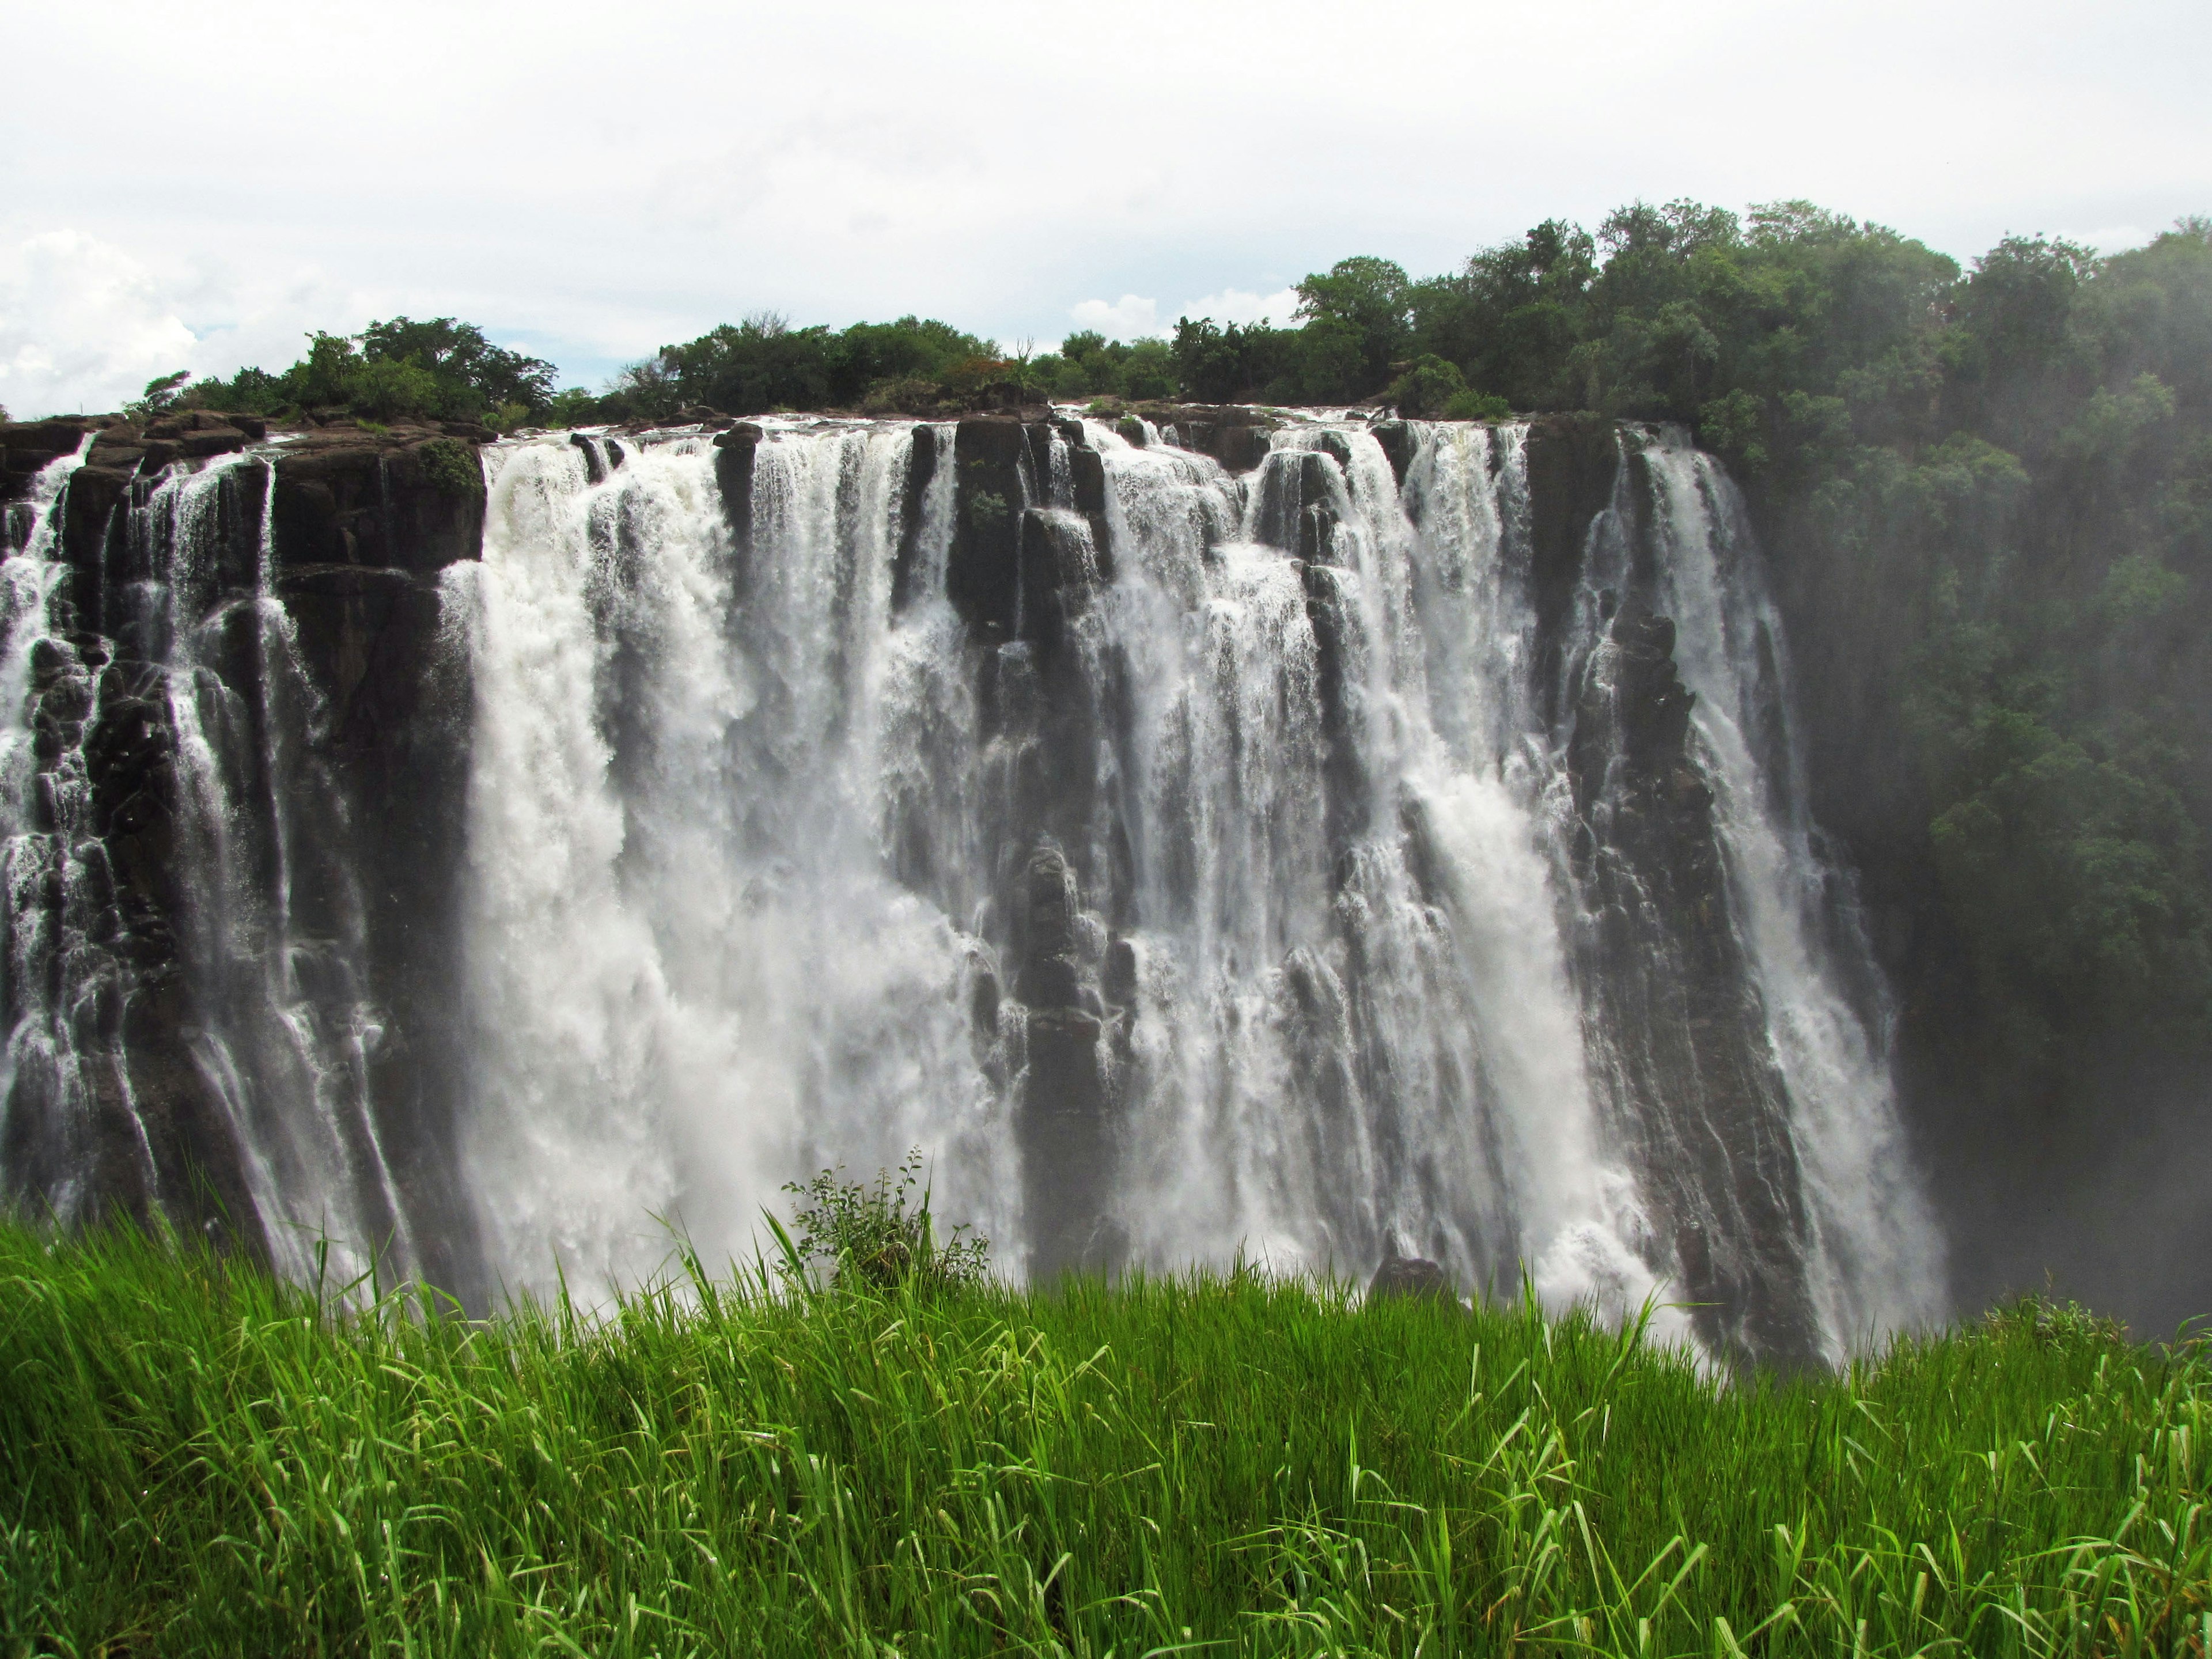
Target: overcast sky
x=195, y=187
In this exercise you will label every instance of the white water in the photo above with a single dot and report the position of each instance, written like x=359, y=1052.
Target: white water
x=1876, y=1264
x=696, y=987
x=741, y=837
x=734, y=857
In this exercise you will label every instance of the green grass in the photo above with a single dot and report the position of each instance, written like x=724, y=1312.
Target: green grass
x=194, y=1459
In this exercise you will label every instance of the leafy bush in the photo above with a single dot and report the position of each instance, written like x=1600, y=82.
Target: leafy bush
x=451, y=466
x=1477, y=406
x=195, y=1458
x=882, y=1235
x=392, y=370
x=1428, y=386
x=159, y=396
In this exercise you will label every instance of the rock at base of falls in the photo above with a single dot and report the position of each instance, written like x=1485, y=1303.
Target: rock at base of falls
x=1411, y=1277
x=1067, y=1141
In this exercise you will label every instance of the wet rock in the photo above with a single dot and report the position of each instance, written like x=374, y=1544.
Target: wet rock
x=923, y=462
x=411, y=499
x=1399, y=443
x=1118, y=979
x=26, y=447
x=1411, y=1277
x=1063, y=1118
x=1243, y=448
x=997, y=460
x=1573, y=461
x=734, y=452
x=1088, y=468
x=1702, y=1105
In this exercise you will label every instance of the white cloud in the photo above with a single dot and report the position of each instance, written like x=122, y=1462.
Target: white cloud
x=2113, y=239
x=1233, y=304
x=600, y=191
x=1129, y=317
x=82, y=324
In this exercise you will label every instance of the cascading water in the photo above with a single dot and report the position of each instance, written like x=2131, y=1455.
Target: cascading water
x=1872, y=1258
x=696, y=974
x=1396, y=846
x=186, y=1024
x=1233, y=892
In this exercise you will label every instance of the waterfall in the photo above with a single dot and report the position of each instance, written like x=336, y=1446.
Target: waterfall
x=697, y=975
x=1397, y=845
x=1874, y=1260
x=188, y=1026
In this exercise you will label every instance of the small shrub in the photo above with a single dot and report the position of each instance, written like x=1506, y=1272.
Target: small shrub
x=2054, y=1323
x=161, y=397
x=1427, y=385
x=907, y=394
x=451, y=466
x=383, y=390
x=1477, y=406
x=882, y=1235
x=987, y=509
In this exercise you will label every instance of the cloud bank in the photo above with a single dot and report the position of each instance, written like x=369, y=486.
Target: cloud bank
x=594, y=186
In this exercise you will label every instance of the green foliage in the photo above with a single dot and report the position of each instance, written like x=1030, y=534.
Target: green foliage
x=1993, y=489
x=194, y=1459
x=452, y=466
x=1476, y=406
x=571, y=406
x=393, y=370
x=987, y=509
x=161, y=397
x=1428, y=386
x=883, y=1236
x=474, y=376
x=1364, y=304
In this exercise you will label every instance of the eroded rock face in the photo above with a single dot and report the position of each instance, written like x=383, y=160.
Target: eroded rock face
x=1690, y=1079
x=1695, y=1090
x=339, y=747
x=1067, y=1135
x=1411, y=1277
x=349, y=530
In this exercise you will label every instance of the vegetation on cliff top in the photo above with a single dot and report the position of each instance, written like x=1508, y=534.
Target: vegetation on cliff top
x=196, y=1459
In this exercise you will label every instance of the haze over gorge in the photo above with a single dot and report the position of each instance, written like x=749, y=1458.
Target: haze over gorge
x=1568, y=770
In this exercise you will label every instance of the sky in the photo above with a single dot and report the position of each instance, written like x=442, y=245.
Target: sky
x=197, y=187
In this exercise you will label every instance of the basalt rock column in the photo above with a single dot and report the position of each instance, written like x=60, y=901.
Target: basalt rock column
x=248, y=744
x=1067, y=1146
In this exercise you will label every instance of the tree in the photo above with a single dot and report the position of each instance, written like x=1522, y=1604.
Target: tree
x=1370, y=300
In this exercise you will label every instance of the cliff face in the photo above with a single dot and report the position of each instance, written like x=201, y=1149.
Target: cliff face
x=252, y=757
x=268, y=644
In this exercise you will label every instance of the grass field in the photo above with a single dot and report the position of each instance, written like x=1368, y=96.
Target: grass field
x=194, y=1459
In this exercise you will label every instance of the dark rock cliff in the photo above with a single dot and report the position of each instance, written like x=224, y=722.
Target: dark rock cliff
x=347, y=530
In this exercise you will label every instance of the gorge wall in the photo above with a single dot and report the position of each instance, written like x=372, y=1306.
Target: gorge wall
x=1304, y=837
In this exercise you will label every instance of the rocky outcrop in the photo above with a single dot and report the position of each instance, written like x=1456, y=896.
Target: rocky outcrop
x=998, y=459
x=347, y=529
x=1063, y=1118
x=26, y=447
x=1410, y=1277
x=1574, y=465
x=1235, y=436
x=408, y=499
x=1695, y=1091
